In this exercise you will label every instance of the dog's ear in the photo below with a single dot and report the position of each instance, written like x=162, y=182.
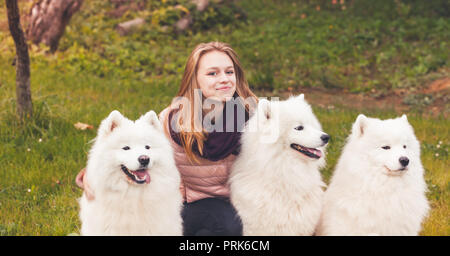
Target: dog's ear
x=301, y=97
x=404, y=118
x=360, y=125
x=108, y=125
x=267, y=122
x=152, y=119
x=264, y=110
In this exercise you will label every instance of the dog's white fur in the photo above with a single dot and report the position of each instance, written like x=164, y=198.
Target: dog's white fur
x=122, y=207
x=275, y=189
x=369, y=193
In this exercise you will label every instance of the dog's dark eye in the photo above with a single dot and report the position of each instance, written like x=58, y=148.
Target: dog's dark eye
x=126, y=148
x=404, y=146
x=147, y=147
x=299, y=128
x=386, y=147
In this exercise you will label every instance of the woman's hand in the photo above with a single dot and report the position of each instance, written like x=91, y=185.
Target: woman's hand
x=83, y=184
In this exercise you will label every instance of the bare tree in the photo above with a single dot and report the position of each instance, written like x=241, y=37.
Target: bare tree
x=23, y=92
x=48, y=20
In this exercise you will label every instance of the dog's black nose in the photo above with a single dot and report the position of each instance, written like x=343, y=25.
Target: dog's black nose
x=325, y=138
x=144, y=160
x=404, y=161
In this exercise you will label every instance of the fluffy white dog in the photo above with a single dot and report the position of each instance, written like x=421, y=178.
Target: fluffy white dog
x=378, y=186
x=134, y=179
x=275, y=182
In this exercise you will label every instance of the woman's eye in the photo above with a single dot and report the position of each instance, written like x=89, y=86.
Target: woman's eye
x=147, y=147
x=126, y=148
x=230, y=72
x=386, y=147
x=212, y=73
x=299, y=128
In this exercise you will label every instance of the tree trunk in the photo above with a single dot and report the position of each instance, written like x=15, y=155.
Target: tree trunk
x=48, y=19
x=23, y=92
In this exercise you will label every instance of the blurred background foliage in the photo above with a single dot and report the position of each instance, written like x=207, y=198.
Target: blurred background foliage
x=357, y=45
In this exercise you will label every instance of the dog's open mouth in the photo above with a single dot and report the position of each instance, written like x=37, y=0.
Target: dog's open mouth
x=309, y=152
x=395, y=172
x=139, y=176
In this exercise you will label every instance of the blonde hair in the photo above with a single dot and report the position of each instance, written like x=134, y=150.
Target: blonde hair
x=191, y=130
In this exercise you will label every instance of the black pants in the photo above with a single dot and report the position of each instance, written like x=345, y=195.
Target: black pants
x=211, y=217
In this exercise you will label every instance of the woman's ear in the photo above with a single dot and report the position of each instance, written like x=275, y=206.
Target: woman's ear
x=112, y=122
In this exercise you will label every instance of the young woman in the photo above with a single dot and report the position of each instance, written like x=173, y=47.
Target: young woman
x=204, y=124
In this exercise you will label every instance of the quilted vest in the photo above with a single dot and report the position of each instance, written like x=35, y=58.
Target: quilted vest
x=203, y=179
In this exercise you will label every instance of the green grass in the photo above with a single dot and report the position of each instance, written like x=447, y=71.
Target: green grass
x=97, y=71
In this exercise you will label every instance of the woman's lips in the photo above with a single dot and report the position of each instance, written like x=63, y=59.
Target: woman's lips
x=223, y=88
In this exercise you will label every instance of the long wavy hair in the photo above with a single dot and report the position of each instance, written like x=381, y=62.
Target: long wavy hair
x=188, y=123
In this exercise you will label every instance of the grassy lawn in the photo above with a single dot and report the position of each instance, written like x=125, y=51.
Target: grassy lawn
x=284, y=44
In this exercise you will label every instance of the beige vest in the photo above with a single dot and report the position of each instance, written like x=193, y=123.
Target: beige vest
x=199, y=180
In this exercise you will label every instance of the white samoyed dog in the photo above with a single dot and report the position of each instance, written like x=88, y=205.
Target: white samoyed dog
x=378, y=186
x=275, y=183
x=132, y=173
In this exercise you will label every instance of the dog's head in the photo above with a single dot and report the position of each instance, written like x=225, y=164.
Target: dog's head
x=125, y=150
x=388, y=145
x=297, y=126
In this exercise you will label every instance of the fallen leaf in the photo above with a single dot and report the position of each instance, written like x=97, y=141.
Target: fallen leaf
x=82, y=126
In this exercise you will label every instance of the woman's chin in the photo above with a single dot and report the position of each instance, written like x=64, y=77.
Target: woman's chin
x=225, y=95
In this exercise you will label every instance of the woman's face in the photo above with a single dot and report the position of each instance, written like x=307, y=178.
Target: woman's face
x=216, y=76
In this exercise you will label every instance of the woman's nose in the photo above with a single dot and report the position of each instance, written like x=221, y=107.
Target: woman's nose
x=224, y=78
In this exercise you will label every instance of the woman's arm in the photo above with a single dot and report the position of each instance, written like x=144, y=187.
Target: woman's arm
x=83, y=184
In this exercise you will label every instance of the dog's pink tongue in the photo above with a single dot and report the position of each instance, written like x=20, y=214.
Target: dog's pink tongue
x=318, y=153
x=315, y=152
x=142, y=174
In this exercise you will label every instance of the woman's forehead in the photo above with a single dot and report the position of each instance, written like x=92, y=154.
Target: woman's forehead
x=215, y=59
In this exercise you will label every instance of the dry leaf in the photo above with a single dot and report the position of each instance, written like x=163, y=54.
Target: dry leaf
x=82, y=126
x=180, y=7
